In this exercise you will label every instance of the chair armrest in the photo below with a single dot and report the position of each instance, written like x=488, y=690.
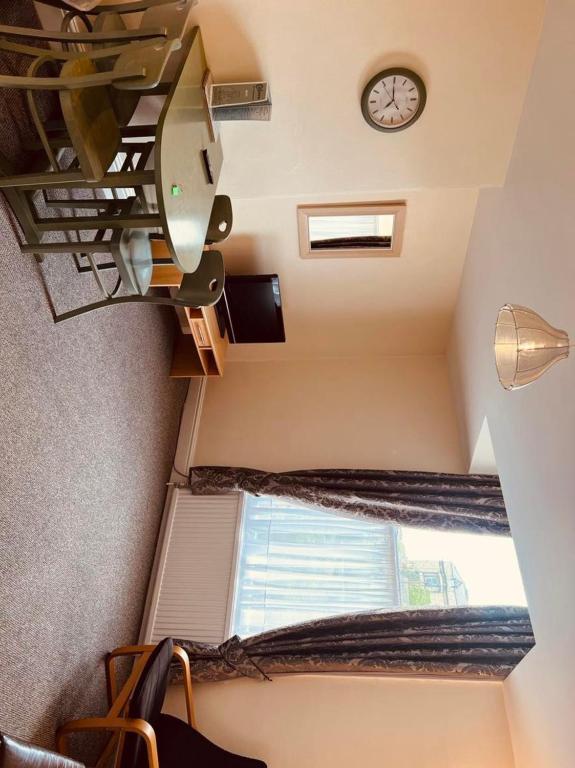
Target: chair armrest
x=127, y=35
x=132, y=725
x=184, y=660
x=135, y=6
x=70, y=83
x=65, y=55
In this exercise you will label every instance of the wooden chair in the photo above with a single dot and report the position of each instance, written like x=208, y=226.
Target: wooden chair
x=172, y=16
x=87, y=109
x=119, y=719
x=93, y=113
x=142, y=734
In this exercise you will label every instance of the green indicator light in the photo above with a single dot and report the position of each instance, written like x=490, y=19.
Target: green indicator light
x=176, y=190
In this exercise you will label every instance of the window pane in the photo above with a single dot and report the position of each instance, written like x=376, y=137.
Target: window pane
x=298, y=564
x=476, y=569
x=358, y=231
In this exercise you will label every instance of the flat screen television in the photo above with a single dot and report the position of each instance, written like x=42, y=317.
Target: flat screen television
x=251, y=309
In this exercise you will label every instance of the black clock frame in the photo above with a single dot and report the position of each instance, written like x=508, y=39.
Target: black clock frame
x=400, y=72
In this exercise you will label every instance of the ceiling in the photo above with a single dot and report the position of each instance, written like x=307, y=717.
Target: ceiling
x=475, y=59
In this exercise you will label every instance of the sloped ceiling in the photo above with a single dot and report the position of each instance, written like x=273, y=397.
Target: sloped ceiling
x=317, y=55
x=475, y=58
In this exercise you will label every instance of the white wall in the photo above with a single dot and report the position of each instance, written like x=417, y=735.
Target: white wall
x=522, y=252
x=336, y=722
x=475, y=58
x=393, y=412
x=357, y=307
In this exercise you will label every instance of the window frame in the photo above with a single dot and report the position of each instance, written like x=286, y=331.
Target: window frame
x=396, y=208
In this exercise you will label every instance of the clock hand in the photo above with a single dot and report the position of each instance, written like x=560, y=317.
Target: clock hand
x=385, y=89
x=388, y=103
x=393, y=97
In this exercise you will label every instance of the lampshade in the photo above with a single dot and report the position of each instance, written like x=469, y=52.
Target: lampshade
x=525, y=346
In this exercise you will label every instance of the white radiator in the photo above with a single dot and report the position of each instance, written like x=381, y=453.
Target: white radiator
x=191, y=589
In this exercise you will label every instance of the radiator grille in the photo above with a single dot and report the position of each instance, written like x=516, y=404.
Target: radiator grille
x=195, y=574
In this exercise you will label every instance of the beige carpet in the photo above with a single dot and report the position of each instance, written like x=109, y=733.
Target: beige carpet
x=88, y=426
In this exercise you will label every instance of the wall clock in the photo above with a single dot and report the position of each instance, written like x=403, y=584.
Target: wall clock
x=393, y=100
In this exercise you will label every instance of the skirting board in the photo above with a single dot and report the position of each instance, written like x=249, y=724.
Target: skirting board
x=189, y=428
x=183, y=459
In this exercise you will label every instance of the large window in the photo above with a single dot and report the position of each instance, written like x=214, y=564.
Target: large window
x=297, y=564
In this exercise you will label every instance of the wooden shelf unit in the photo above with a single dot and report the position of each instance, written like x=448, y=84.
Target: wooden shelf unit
x=199, y=349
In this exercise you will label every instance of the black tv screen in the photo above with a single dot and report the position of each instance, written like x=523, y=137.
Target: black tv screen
x=251, y=309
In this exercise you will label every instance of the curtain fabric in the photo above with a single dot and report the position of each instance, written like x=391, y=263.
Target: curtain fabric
x=472, y=643
x=472, y=503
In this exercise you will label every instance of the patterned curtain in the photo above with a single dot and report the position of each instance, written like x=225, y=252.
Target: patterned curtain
x=473, y=643
x=472, y=503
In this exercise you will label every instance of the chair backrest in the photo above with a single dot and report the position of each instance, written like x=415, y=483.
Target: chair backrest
x=153, y=59
x=18, y=754
x=204, y=287
x=175, y=17
x=125, y=103
x=147, y=700
x=221, y=220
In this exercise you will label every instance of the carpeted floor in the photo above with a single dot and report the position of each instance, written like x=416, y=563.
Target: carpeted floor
x=88, y=427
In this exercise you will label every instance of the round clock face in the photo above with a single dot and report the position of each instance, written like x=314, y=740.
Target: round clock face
x=393, y=99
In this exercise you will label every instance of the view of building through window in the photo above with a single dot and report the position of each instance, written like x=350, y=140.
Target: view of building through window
x=298, y=564
x=360, y=230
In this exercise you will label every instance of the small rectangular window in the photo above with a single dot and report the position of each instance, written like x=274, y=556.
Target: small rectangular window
x=351, y=230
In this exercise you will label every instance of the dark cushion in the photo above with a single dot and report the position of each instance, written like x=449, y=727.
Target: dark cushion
x=17, y=754
x=147, y=700
x=150, y=691
x=181, y=746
